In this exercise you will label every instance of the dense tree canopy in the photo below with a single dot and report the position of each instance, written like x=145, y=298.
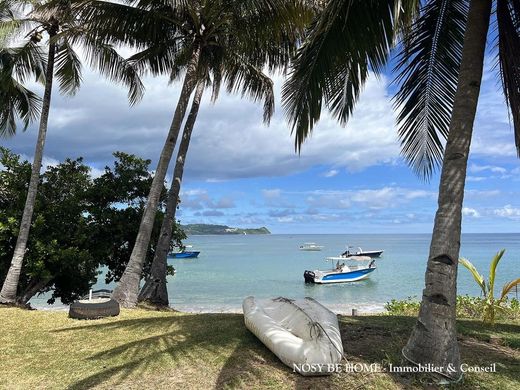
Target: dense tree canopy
x=80, y=224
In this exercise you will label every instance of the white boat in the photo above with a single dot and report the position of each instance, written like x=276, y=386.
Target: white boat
x=303, y=334
x=347, y=269
x=361, y=252
x=311, y=246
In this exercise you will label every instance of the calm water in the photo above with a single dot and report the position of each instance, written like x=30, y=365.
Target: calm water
x=232, y=267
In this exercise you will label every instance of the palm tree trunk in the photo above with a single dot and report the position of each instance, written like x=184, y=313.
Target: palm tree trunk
x=10, y=286
x=127, y=289
x=434, y=337
x=154, y=290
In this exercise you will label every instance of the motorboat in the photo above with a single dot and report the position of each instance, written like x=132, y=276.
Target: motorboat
x=311, y=246
x=185, y=254
x=302, y=333
x=346, y=269
x=361, y=252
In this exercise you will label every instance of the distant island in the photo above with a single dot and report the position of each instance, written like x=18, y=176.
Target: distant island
x=200, y=228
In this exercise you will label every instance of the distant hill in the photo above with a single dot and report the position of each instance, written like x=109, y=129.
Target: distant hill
x=200, y=228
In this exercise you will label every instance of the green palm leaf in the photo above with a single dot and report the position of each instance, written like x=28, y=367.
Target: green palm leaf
x=67, y=68
x=428, y=66
x=508, y=20
x=476, y=275
x=241, y=76
x=493, y=269
x=348, y=39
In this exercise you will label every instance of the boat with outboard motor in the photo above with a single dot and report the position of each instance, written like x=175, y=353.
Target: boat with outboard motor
x=349, y=269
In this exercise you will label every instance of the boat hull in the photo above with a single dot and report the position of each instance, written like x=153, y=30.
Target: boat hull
x=371, y=254
x=186, y=255
x=337, y=277
x=303, y=334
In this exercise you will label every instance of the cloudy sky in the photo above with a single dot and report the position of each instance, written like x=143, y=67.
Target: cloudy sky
x=242, y=173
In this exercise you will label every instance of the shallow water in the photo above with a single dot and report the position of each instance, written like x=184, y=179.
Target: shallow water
x=232, y=267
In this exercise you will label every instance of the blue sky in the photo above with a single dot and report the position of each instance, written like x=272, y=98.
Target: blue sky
x=242, y=173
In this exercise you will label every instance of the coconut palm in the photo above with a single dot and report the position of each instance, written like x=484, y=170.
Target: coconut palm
x=45, y=53
x=154, y=290
x=439, y=69
x=234, y=72
x=184, y=37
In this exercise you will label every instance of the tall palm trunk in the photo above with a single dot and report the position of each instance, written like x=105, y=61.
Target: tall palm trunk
x=127, y=290
x=154, y=290
x=9, y=289
x=434, y=337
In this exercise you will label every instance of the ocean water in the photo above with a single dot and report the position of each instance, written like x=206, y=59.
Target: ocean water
x=231, y=267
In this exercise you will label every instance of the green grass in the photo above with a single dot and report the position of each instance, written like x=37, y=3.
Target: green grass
x=148, y=350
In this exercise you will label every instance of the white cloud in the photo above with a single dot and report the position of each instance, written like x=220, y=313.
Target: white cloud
x=331, y=173
x=469, y=212
x=508, y=211
x=474, y=168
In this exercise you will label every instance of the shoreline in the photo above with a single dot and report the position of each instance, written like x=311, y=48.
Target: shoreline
x=345, y=310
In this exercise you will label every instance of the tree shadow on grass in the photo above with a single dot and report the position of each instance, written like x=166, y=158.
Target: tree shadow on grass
x=158, y=342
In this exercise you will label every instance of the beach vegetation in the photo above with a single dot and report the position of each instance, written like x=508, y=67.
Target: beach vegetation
x=491, y=305
x=81, y=223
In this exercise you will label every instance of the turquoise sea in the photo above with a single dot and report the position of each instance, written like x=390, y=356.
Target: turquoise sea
x=231, y=267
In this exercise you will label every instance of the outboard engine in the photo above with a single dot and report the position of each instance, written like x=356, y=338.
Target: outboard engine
x=309, y=276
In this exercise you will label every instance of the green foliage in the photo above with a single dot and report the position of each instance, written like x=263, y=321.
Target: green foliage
x=405, y=307
x=467, y=307
x=491, y=305
x=80, y=223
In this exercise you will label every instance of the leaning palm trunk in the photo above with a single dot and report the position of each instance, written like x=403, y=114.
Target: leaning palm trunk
x=9, y=289
x=154, y=290
x=434, y=337
x=127, y=290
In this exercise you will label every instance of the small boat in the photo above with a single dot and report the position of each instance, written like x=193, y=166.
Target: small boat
x=303, y=334
x=311, y=246
x=185, y=254
x=361, y=252
x=357, y=268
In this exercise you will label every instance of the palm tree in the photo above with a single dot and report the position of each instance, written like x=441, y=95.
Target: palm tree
x=154, y=290
x=30, y=21
x=235, y=72
x=439, y=71
x=187, y=37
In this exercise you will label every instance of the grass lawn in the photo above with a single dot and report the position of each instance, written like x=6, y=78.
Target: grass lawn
x=148, y=350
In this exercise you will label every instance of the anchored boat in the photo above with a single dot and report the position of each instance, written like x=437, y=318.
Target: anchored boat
x=311, y=246
x=185, y=254
x=361, y=252
x=349, y=269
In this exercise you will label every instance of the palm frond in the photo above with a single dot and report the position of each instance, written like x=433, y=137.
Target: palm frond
x=16, y=101
x=67, y=68
x=508, y=20
x=476, y=275
x=240, y=76
x=508, y=287
x=344, y=42
x=493, y=268
x=104, y=58
x=428, y=66
x=24, y=62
